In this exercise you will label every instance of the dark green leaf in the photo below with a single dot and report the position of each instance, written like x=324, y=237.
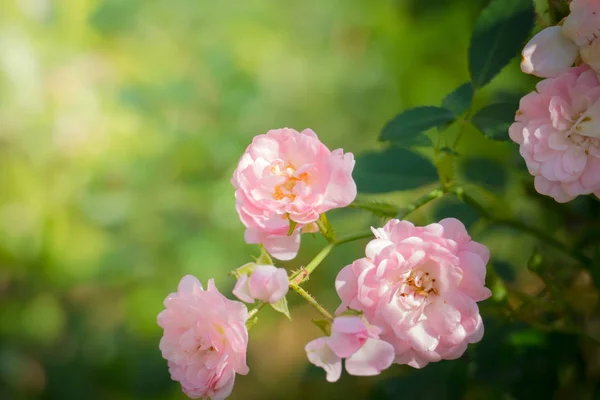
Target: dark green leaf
x=459, y=100
x=498, y=36
x=410, y=125
x=494, y=120
x=450, y=207
x=485, y=172
x=391, y=170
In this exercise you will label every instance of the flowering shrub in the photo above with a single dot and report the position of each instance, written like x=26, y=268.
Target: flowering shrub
x=413, y=299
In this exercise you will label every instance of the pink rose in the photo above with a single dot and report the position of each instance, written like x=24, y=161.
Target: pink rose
x=558, y=130
x=582, y=25
x=288, y=176
x=205, y=339
x=420, y=285
x=356, y=341
x=266, y=283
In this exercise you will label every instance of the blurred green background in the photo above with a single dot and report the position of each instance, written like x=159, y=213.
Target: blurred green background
x=121, y=122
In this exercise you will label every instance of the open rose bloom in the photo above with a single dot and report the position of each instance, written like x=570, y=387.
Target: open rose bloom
x=205, y=339
x=421, y=286
x=558, y=130
x=286, y=175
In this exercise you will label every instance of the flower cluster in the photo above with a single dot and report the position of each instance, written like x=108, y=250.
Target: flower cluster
x=412, y=299
x=558, y=125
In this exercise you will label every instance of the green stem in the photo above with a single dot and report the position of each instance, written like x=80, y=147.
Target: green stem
x=552, y=12
x=311, y=300
x=353, y=237
x=421, y=201
x=311, y=266
x=256, y=309
x=464, y=123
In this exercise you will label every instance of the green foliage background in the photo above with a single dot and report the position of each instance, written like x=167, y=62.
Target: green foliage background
x=121, y=122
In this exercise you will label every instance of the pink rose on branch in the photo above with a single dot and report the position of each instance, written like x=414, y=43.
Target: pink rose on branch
x=205, y=339
x=558, y=130
x=266, y=283
x=420, y=285
x=356, y=341
x=288, y=176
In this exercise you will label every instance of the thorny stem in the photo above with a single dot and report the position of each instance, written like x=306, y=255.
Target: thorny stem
x=311, y=300
x=255, y=310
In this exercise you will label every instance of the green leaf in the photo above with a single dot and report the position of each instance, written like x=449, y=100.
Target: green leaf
x=498, y=36
x=264, y=258
x=377, y=208
x=282, y=307
x=392, y=169
x=459, y=100
x=485, y=172
x=245, y=269
x=324, y=325
x=409, y=126
x=494, y=120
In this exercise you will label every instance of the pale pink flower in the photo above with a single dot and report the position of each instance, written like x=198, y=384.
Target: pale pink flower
x=582, y=25
x=554, y=50
x=548, y=53
x=266, y=283
x=558, y=130
x=205, y=339
x=355, y=340
x=285, y=175
x=420, y=285
x=590, y=54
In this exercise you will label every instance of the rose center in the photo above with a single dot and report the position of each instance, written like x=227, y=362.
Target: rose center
x=417, y=287
x=285, y=190
x=585, y=131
